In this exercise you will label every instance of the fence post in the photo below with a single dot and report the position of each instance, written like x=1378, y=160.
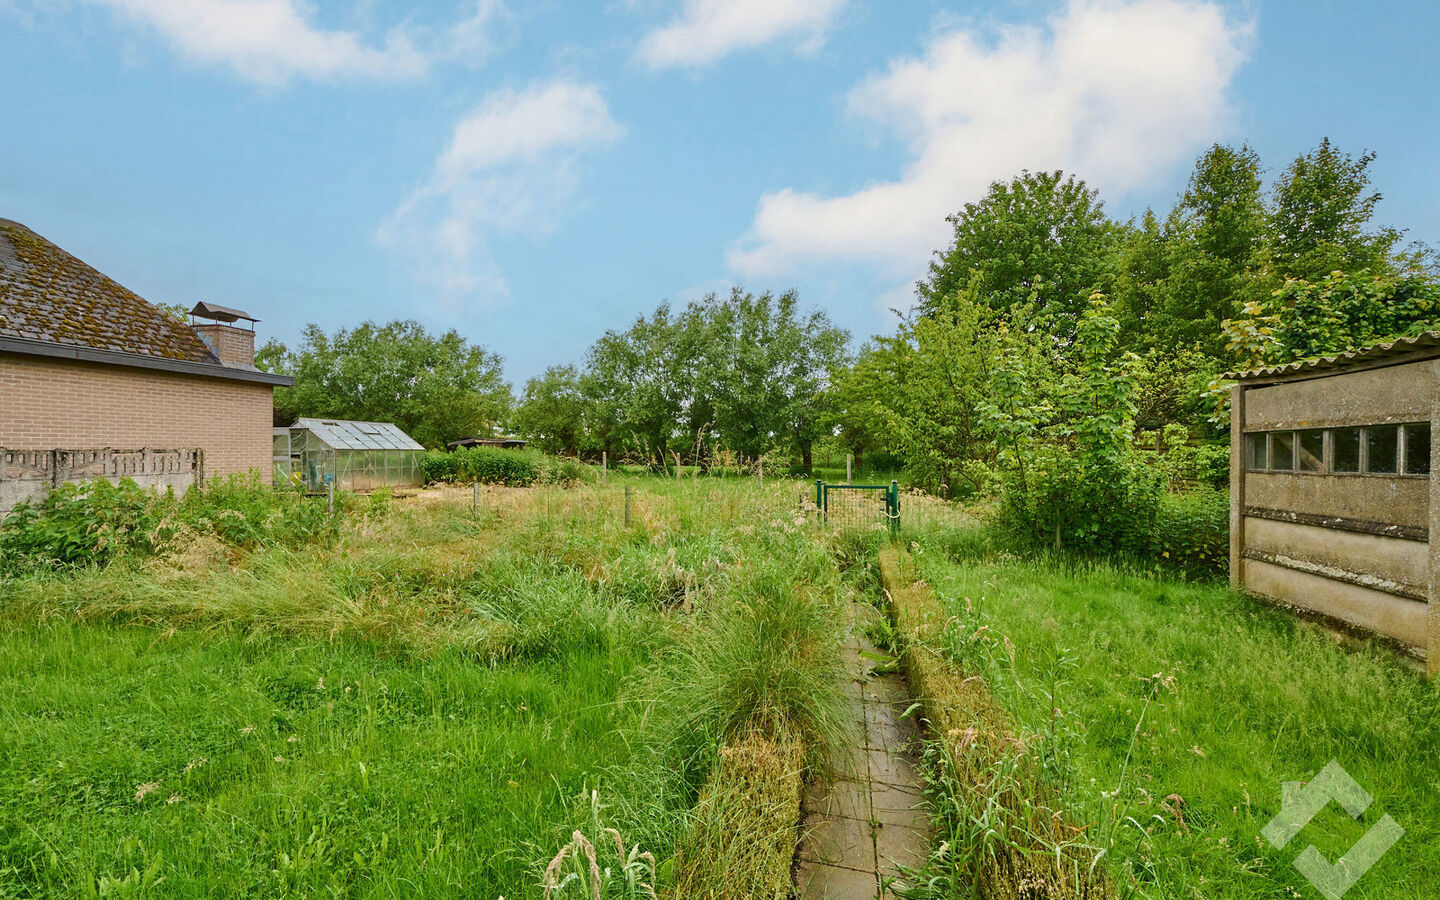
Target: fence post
x=819, y=490
x=604, y=466
x=762, y=473
x=474, y=497
x=330, y=496
x=894, y=507
x=627, y=506
x=849, y=459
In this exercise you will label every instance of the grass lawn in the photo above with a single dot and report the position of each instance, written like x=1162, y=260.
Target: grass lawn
x=1170, y=714
x=427, y=705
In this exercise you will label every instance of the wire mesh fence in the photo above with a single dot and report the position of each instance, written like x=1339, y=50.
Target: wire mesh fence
x=863, y=506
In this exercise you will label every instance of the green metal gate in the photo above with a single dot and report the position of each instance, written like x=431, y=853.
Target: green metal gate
x=859, y=505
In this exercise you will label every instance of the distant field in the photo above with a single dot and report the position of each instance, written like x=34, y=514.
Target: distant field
x=1179, y=710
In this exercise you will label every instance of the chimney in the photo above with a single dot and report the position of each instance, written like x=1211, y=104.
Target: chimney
x=233, y=345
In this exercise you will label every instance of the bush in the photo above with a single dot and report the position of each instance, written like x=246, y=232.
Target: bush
x=1192, y=533
x=515, y=468
x=96, y=522
x=1101, y=508
x=85, y=524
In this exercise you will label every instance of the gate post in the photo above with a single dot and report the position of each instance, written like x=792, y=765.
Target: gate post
x=819, y=498
x=894, y=507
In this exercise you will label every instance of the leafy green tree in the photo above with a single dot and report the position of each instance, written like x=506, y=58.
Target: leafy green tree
x=863, y=393
x=1320, y=218
x=438, y=388
x=937, y=419
x=769, y=365
x=1343, y=311
x=551, y=412
x=639, y=382
x=1040, y=235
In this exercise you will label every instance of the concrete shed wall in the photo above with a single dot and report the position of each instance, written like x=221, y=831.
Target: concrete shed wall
x=1356, y=548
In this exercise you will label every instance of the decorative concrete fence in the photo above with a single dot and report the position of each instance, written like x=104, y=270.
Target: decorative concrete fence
x=30, y=474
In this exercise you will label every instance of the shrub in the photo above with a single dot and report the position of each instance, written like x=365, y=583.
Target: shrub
x=487, y=465
x=1192, y=533
x=1108, y=506
x=96, y=522
x=85, y=524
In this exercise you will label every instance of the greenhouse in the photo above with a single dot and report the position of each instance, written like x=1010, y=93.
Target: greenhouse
x=354, y=456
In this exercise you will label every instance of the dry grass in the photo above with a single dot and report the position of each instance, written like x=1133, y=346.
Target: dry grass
x=746, y=824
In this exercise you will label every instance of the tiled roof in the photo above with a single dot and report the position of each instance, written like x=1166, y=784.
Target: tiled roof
x=50, y=296
x=1423, y=344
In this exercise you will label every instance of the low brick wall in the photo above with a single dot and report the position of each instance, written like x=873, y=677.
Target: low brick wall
x=30, y=474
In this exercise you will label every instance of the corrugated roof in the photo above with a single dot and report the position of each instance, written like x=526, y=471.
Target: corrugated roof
x=1375, y=353
x=343, y=434
x=47, y=295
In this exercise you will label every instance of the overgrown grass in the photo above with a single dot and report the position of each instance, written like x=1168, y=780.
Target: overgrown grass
x=430, y=702
x=1168, y=715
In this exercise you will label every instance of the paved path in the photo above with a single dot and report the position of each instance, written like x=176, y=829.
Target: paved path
x=873, y=815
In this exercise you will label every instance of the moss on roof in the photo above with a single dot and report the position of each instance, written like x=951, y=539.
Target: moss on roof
x=48, y=295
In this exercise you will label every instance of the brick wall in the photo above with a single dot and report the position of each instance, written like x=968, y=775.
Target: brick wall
x=52, y=403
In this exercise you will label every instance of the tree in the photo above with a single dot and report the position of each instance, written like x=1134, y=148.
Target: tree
x=862, y=396
x=437, y=388
x=769, y=366
x=1039, y=234
x=1320, y=217
x=551, y=413
x=945, y=369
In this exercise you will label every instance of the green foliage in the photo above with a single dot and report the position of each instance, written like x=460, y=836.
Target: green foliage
x=88, y=523
x=1190, y=534
x=1077, y=481
x=1176, y=802
x=1040, y=235
x=96, y=522
x=1343, y=311
x=487, y=465
x=552, y=411
x=746, y=373
x=1320, y=217
x=436, y=388
x=942, y=364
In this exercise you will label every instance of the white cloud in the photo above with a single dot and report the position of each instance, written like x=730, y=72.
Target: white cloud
x=1116, y=92
x=272, y=41
x=707, y=30
x=511, y=166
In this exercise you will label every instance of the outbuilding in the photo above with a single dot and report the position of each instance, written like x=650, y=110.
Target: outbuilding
x=1333, y=505
x=354, y=456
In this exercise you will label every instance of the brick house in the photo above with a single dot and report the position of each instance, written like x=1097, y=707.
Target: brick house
x=86, y=364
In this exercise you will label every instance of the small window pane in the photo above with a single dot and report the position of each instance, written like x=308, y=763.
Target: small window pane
x=1282, y=451
x=1312, y=451
x=1381, y=445
x=1417, y=449
x=1345, y=450
x=1255, y=456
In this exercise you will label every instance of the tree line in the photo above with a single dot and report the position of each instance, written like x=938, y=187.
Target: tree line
x=1046, y=332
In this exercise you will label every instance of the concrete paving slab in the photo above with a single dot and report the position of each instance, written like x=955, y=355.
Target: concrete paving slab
x=822, y=882
x=838, y=842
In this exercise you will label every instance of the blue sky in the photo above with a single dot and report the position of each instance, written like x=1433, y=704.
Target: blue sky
x=534, y=173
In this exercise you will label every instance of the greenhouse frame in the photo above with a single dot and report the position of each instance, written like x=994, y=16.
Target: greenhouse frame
x=354, y=456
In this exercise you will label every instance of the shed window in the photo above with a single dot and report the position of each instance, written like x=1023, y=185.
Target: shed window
x=1417, y=448
x=1312, y=451
x=1282, y=451
x=1382, y=446
x=1255, y=455
x=1345, y=450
